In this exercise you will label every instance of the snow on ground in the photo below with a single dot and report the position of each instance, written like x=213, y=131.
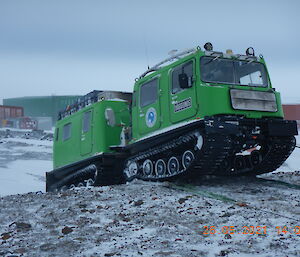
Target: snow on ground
x=30, y=142
x=23, y=163
x=24, y=176
x=293, y=162
x=215, y=217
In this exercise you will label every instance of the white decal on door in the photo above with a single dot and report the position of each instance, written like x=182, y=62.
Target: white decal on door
x=151, y=117
x=182, y=105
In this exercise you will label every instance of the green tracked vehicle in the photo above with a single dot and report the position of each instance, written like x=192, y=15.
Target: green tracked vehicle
x=197, y=112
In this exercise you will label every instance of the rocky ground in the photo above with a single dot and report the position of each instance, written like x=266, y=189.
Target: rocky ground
x=211, y=217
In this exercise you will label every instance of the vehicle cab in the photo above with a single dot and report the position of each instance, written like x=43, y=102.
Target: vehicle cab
x=197, y=83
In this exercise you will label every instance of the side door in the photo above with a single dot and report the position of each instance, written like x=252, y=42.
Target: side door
x=149, y=113
x=86, y=140
x=183, y=98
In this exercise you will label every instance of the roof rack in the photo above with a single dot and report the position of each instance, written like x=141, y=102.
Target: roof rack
x=93, y=97
x=237, y=56
x=170, y=59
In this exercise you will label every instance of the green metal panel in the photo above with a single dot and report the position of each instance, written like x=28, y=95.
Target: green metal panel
x=217, y=101
x=99, y=138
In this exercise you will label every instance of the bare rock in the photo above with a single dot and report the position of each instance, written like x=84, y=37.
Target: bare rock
x=109, y=254
x=138, y=203
x=66, y=230
x=5, y=236
x=21, y=226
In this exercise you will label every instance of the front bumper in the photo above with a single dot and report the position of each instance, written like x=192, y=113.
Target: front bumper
x=234, y=125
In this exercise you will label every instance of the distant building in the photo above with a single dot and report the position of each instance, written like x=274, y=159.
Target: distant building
x=40, y=107
x=13, y=117
x=292, y=112
x=7, y=112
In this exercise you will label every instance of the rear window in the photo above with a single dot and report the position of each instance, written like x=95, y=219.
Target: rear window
x=67, y=131
x=149, y=93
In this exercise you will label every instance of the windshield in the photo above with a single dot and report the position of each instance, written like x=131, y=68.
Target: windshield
x=228, y=71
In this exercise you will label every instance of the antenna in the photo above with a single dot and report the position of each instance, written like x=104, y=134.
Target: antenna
x=146, y=50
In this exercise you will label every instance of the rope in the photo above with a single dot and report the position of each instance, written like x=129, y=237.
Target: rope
x=192, y=189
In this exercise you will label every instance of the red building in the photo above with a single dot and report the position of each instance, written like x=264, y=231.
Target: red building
x=7, y=112
x=292, y=112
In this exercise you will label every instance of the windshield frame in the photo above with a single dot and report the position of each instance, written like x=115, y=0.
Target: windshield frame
x=235, y=75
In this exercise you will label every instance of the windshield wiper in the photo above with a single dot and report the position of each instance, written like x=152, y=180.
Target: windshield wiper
x=213, y=59
x=250, y=61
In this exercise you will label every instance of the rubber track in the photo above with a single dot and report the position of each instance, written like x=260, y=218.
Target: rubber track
x=280, y=149
x=215, y=150
x=209, y=160
x=74, y=178
x=164, y=148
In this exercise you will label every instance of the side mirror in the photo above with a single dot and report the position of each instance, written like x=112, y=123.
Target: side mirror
x=183, y=80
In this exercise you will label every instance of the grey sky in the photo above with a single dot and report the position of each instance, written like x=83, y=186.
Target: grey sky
x=73, y=47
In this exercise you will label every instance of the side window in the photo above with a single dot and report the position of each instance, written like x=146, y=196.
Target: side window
x=86, y=121
x=67, y=132
x=186, y=68
x=56, y=134
x=149, y=93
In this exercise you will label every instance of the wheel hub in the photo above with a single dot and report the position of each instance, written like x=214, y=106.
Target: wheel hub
x=187, y=159
x=173, y=165
x=160, y=167
x=147, y=167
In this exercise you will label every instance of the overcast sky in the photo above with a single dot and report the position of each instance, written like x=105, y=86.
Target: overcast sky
x=73, y=47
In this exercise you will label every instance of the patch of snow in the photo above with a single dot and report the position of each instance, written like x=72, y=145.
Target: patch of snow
x=45, y=149
x=16, y=130
x=34, y=142
x=293, y=162
x=24, y=176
